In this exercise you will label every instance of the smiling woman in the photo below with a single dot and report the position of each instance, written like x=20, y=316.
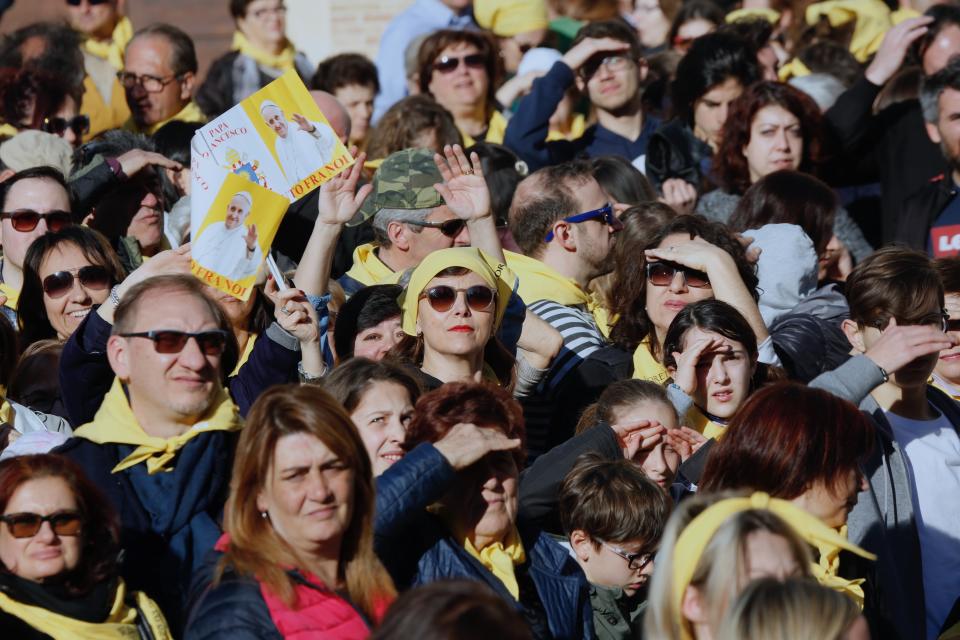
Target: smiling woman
x=65, y=274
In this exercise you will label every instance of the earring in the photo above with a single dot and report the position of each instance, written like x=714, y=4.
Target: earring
x=264, y=515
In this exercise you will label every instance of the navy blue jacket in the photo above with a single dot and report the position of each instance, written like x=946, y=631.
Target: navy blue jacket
x=86, y=376
x=168, y=521
x=417, y=549
x=527, y=130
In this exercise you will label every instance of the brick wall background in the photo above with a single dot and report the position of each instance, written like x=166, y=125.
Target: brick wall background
x=318, y=27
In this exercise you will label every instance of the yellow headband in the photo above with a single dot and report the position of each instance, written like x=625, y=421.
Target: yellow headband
x=508, y=18
x=770, y=15
x=697, y=535
x=495, y=274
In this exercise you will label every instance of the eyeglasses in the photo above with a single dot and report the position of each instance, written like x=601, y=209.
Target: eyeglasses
x=77, y=3
x=26, y=220
x=150, y=84
x=450, y=228
x=605, y=212
x=610, y=63
x=443, y=297
x=166, y=341
x=635, y=561
x=80, y=125
x=56, y=285
x=449, y=64
x=941, y=320
x=661, y=274
x=27, y=525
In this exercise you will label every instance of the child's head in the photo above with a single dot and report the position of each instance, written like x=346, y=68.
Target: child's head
x=628, y=402
x=614, y=517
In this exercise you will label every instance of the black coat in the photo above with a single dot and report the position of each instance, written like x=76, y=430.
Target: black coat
x=920, y=211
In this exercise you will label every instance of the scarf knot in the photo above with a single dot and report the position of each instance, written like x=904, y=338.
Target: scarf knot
x=284, y=61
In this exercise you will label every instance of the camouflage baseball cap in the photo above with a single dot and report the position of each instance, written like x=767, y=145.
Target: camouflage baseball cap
x=404, y=181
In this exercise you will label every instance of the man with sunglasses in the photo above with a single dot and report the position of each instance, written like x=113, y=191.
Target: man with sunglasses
x=32, y=203
x=564, y=224
x=161, y=444
x=159, y=74
x=606, y=65
x=907, y=515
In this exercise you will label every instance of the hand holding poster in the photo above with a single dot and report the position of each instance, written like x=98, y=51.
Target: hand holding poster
x=274, y=147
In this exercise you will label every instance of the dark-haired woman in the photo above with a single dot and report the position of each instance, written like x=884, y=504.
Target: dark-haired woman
x=59, y=551
x=771, y=126
x=712, y=74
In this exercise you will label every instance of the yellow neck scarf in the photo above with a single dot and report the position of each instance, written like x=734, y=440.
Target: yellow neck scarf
x=577, y=126
x=697, y=535
x=7, y=413
x=247, y=350
x=283, y=62
x=13, y=295
x=646, y=367
x=825, y=569
x=496, y=130
x=501, y=560
x=112, y=50
x=696, y=420
x=367, y=268
x=121, y=623
x=115, y=423
x=190, y=113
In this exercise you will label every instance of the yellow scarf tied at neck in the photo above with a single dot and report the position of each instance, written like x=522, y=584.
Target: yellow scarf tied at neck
x=541, y=282
x=116, y=424
x=121, y=622
x=13, y=295
x=247, y=350
x=697, y=535
x=496, y=130
x=825, y=570
x=696, y=420
x=646, y=367
x=501, y=560
x=367, y=268
x=112, y=50
x=793, y=69
x=190, y=113
x=282, y=62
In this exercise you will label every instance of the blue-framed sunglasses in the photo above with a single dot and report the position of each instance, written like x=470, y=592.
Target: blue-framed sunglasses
x=605, y=212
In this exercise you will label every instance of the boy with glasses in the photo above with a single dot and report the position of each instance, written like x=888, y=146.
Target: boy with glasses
x=606, y=65
x=613, y=517
x=908, y=517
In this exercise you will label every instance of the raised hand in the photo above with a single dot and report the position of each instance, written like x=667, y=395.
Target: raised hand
x=296, y=315
x=685, y=441
x=893, y=49
x=463, y=190
x=697, y=254
x=339, y=198
x=303, y=123
x=251, y=237
x=466, y=443
x=589, y=47
x=639, y=436
x=679, y=195
x=898, y=345
x=685, y=376
x=136, y=159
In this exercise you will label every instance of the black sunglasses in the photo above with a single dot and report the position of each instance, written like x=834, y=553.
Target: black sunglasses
x=661, y=274
x=80, y=125
x=449, y=64
x=450, y=228
x=166, y=341
x=57, y=285
x=26, y=525
x=443, y=297
x=26, y=220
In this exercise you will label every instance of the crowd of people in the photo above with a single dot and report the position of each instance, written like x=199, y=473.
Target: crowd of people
x=631, y=319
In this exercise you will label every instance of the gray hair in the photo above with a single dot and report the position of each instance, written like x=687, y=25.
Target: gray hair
x=824, y=88
x=933, y=86
x=384, y=217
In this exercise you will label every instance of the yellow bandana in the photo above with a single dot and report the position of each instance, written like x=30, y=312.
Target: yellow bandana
x=112, y=50
x=793, y=69
x=872, y=21
x=646, y=367
x=367, y=268
x=247, y=350
x=825, y=570
x=283, y=62
x=190, y=113
x=696, y=420
x=121, y=622
x=769, y=15
x=496, y=130
x=501, y=560
x=13, y=295
x=697, y=535
x=115, y=423
x=577, y=126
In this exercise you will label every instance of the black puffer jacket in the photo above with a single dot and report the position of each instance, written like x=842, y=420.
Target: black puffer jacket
x=674, y=152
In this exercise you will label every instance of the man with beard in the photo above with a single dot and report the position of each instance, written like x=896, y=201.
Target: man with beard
x=301, y=149
x=931, y=217
x=563, y=222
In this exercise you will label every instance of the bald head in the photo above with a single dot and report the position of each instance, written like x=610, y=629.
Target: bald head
x=335, y=113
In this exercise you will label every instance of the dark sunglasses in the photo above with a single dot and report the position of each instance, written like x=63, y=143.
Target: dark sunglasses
x=166, y=341
x=80, y=125
x=605, y=212
x=26, y=525
x=449, y=228
x=449, y=64
x=443, y=297
x=661, y=274
x=26, y=220
x=57, y=285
